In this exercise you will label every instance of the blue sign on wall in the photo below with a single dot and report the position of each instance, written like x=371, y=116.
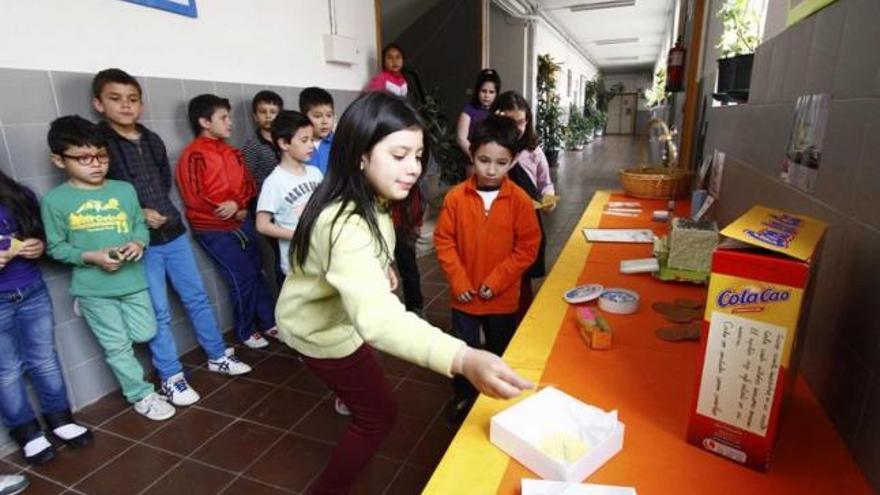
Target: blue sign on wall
x=182, y=7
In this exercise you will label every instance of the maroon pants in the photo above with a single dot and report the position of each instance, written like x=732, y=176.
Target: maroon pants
x=360, y=382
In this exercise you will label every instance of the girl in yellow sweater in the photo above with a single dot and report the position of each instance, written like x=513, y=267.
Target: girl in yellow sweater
x=336, y=305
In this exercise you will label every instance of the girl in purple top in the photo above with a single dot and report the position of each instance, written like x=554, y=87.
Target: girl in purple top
x=487, y=87
x=27, y=332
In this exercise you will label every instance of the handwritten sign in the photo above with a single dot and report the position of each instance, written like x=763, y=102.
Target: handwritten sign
x=740, y=371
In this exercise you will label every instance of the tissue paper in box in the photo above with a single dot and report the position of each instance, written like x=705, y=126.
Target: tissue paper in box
x=557, y=436
x=541, y=487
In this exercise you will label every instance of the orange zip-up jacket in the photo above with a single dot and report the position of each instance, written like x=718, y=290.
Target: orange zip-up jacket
x=210, y=172
x=493, y=249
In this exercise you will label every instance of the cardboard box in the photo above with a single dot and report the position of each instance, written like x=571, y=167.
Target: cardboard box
x=539, y=424
x=758, y=296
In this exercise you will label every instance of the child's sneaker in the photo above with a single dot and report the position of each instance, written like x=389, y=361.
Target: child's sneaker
x=341, y=408
x=11, y=484
x=154, y=407
x=273, y=332
x=178, y=391
x=229, y=364
x=256, y=341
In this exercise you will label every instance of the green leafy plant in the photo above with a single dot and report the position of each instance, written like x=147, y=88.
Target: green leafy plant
x=549, y=115
x=445, y=151
x=741, y=28
x=596, y=103
x=657, y=94
x=579, y=128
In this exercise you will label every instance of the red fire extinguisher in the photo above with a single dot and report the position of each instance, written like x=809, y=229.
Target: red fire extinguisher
x=675, y=68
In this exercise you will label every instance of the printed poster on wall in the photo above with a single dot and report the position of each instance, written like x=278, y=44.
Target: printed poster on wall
x=804, y=153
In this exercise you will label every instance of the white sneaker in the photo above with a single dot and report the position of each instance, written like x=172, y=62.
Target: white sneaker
x=177, y=390
x=154, y=407
x=341, y=408
x=229, y=364
x=10, y=484
x=256, y=341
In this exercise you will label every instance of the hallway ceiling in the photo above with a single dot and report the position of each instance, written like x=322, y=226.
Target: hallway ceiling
x=616, y=38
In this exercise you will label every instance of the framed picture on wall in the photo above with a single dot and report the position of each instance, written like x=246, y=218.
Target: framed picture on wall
x=182, y=7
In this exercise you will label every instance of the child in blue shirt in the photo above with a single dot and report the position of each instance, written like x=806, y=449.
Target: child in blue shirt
x=317, y=105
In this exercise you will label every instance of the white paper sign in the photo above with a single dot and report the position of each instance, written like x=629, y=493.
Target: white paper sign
x=740, y=371
x=544, y=487
x=640, y=236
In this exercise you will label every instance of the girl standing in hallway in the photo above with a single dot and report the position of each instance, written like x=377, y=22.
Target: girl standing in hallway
x=485, y=92
x=338, y=304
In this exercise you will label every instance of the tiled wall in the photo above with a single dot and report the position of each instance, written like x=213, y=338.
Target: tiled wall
x=834, y=51
x=29, y=101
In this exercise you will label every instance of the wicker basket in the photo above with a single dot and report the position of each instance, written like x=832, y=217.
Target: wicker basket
x=656, y=183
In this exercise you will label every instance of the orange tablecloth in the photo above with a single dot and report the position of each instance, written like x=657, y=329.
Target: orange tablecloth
x=650, y=383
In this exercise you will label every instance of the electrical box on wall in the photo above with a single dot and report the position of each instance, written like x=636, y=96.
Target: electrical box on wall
x=340, y=49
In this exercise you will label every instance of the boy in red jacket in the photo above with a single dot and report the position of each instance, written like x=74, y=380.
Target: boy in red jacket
x=486, y=237
x=216, y=188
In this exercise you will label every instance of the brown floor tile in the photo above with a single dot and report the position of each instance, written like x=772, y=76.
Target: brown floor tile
x=206, y=382
x=236, y=397
x=376, y=477
x=291, y=463
x=323, y=423
x=129, y=473
x=434, y=277
x=409, y=481
x=251, y=487
x=276, y=369
x=237, y=446
x=420, y=400
x=433, y=445
x=191, y=478
x=193, y=428
x=73, y=464
x=102, y=410
x=307, y=382
x=402, y=440
x=41, y=486
x=439, y=304
x=253, y=357
x=135, y=426
x=392, y=365
x=282, y=408
x=442, y=320
x=195, y=357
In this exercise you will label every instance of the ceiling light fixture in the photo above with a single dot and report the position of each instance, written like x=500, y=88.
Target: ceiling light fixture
x=616, y=41
x=608, y=4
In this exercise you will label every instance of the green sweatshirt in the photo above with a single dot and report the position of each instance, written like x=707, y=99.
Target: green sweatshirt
x=334, y=304
x=79, y=220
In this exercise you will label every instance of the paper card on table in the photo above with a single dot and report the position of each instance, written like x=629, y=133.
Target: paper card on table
x=740, y=371
x=544, y=487
x=639, y=236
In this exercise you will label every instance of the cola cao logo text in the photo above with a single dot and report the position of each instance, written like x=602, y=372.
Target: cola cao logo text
x=750, y=297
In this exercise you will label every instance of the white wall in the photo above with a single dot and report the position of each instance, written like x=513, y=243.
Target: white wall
x=632, y=82
x=507, y=49
x=547, y=41
x=276, y=42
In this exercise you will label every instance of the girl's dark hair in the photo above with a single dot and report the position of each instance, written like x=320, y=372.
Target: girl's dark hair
x=496, y=129
x=23, y=205
x=510, y=101
x=485, y=75
x=368, y=120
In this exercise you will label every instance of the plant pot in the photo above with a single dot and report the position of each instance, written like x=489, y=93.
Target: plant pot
x=735, y=73
x=552, y=157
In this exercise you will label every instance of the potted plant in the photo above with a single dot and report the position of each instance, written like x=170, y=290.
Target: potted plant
x=657, y=95
x=549, y=115
x=739, y=39
x=578, y=130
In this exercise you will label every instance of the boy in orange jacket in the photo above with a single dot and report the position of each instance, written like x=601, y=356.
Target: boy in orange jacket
x=216, y=188
x=486, y=237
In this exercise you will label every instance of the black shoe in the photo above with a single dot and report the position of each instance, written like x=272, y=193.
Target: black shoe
x=457, y=409
x=61, y=418
x=27, y=432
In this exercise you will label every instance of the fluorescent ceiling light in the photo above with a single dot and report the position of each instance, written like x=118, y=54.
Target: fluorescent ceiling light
x=608, y=4
x=616, y=41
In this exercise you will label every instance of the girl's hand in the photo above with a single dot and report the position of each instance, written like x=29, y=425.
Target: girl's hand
x=489, y=374
x=548, y=208
x=5, y=257
x=467, y=296
x=131, y=251
x=103, y=259
x=31, y=249
x=486, y=292
x=392, y=278
x=154, y=218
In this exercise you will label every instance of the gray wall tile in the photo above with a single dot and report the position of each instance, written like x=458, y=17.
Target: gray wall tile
x=164, y=99
x=193, y=88
x=175, y=134
x=90, y=381
x=5, y=160
x=30, y=150
x=17, y=110
x=799, y=38
x=76, y=343
x=74, y=93
x=858, y=63
x=62, y=303
x=43, y=184
x=841, y=147
x=776, y=74
x=824, y=48
x=760, y=72
x=860, y=268
x=868, y=176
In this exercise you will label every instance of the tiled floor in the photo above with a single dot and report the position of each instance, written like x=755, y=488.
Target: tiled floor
x=271, y=431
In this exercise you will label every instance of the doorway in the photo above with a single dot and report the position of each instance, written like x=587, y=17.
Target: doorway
x=622, y=114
